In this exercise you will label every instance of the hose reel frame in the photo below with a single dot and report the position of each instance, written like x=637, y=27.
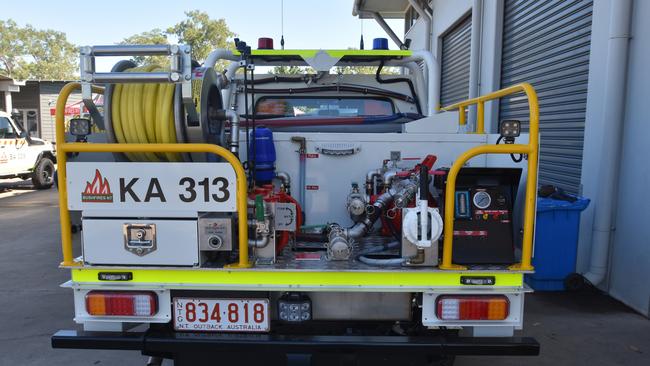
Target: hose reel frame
x=202, y=124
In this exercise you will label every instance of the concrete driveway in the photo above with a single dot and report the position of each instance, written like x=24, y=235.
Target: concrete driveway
x=573, y=329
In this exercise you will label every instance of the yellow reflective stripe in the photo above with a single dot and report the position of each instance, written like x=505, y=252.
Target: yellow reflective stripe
x=394, y=53
x=333, y=53
x=302, y=278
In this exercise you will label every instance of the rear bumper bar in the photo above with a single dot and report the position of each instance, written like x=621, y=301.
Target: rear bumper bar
x=171, y=343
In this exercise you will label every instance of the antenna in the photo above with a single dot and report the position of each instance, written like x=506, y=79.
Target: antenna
x=282, y=23
x=361, y=41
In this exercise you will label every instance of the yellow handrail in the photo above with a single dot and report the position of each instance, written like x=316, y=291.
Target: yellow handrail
x=63, y=148
x=532, y=149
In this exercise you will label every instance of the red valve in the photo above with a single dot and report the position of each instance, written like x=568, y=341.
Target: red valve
x=429, y=160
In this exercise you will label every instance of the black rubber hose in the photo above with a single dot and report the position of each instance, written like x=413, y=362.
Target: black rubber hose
x=424, y=182
x=512, y=156
x=247, y=138
x=253, y=105
x=278, y=79
x=312, y=237
x=408, y=81
x=345, y=88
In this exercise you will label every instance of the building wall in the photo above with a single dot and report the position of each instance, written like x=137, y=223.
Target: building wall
x=446, y=14
x=630, y=245
x=630, y=260
x=630, y=249
x=49, y=92
x=25, y=99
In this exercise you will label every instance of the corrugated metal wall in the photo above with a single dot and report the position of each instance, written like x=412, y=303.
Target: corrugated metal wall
x=547, y=43
x=454, y=82
x=49, y=92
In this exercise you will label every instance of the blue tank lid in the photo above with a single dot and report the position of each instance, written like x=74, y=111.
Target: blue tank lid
x=263, y=153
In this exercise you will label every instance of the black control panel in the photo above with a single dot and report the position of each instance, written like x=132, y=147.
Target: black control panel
x=483, y=210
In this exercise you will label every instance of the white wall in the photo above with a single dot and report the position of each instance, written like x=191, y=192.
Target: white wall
x=630, y=246
x=630, y=249
x=446, y=14
x=594, y=127
x=630, y=257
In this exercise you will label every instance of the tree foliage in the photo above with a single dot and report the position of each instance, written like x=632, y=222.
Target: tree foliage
x=357, y=70
x=197, y=30
x=291, y=70
x=30, y=53
x=154, y=36
x=345, y=70
x=202, y=33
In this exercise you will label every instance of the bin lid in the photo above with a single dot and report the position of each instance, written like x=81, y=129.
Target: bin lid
x=549, y=204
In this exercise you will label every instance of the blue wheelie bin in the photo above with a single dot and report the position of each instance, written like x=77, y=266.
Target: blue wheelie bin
x=556, y=242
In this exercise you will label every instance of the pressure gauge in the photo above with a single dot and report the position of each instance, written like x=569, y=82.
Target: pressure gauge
x=482, y=200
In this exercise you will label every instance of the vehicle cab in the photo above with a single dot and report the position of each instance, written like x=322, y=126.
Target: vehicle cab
x=23, y=156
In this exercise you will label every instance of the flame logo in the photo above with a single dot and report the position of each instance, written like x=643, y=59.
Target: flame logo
x=98, y=190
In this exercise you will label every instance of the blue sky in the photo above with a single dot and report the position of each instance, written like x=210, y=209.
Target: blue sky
x=307, y=24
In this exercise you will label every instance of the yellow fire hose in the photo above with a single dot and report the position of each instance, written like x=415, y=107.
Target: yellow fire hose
x=143, y=114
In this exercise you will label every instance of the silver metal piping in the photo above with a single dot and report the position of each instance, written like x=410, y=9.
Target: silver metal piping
x=261, y=242
x=285, y=178
x=233, y=118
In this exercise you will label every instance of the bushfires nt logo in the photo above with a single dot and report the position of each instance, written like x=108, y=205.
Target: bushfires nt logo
x=98, y=190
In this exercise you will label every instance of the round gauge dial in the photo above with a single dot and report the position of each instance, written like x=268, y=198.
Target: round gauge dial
x=482, y=200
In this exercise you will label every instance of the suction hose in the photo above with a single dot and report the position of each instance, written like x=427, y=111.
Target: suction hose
x=143, y=113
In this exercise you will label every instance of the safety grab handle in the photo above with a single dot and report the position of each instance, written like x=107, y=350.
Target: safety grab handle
x=532, y=149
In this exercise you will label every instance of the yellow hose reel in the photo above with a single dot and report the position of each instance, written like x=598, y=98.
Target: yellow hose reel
x=155, y=113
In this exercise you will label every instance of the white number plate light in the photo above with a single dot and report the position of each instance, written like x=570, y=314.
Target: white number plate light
x=221, y=315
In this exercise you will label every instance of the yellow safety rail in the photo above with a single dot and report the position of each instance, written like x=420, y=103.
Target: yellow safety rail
x=532, y=149
x=63, y=148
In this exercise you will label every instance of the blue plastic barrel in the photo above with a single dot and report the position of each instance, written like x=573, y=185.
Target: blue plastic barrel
x=262, y=150
x=556, y=242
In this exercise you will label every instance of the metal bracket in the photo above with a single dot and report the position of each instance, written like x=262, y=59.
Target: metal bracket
x=179, y=73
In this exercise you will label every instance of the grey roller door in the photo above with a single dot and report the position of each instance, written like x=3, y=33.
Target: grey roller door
x=454, y=82
x=547, y=43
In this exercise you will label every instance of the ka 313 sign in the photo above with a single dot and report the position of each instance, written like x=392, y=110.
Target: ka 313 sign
x=208, y=187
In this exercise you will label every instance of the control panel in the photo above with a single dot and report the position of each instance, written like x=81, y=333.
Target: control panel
x=483, y=210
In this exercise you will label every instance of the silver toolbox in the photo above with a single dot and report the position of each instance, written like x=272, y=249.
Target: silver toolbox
x=140, y=242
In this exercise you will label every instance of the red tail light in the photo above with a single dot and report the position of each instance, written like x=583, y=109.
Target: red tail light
x=121, y=303
x=472, y=307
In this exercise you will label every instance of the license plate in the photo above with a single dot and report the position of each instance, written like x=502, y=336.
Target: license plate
x=221, y=315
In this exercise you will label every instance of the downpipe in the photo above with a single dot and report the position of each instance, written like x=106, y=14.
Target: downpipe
x=613, y=114
x=475, y=59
